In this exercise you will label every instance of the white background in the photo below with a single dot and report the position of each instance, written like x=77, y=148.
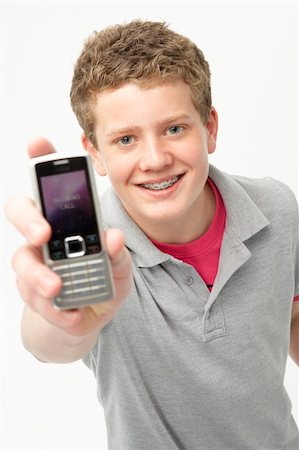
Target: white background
x=252, y=51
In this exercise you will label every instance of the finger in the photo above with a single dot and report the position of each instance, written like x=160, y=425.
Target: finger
x=39, y=146
x=37, y=285
x=69, y=321
x=119, y=255
x=114, y=242
x=30, y=269
x=24, y=215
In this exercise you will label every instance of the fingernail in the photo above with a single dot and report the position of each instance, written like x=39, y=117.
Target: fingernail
x=35, y=229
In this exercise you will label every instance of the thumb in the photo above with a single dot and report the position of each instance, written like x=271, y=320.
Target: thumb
x=119, y=255
x=39, y=146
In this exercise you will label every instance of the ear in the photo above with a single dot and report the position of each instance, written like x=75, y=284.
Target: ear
x=212, y=130
x=95, y=155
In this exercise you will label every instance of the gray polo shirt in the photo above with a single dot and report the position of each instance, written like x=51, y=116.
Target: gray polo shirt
x=180, y=367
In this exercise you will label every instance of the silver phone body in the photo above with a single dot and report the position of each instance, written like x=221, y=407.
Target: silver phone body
x=65, y=190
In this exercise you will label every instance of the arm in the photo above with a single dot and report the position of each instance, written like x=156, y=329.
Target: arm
x=48, y=333
x=294, y=342
x=49, y=343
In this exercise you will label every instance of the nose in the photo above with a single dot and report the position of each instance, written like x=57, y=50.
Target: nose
x=155, y=155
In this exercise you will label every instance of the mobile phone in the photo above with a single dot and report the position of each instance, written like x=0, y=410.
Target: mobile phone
x=65, y=190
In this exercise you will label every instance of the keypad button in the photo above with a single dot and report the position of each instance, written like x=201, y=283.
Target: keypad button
x=93, y=249
x=55, y=245
x=92, y=239
x=57, y=255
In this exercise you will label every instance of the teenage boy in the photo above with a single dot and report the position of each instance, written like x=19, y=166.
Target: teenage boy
x=192, y=353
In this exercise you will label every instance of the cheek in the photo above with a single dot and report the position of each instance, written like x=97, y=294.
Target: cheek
x=118, y=170
x=198, y=162
x=196, y=146
x=196, y=155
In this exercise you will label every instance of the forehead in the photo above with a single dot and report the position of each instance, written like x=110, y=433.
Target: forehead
x=133, y=103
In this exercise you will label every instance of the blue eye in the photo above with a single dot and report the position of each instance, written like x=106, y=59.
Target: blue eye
x=176, y=129
x=125, y=140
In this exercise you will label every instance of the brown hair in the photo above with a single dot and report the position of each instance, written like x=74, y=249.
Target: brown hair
x=142, y=52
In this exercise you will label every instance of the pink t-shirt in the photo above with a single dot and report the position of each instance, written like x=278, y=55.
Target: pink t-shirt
x=203, y=253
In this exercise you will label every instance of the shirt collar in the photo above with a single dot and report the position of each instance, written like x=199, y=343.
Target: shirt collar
x=243, y=217
x=114, y=215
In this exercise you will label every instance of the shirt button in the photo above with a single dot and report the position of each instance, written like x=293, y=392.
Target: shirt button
x=188, y=280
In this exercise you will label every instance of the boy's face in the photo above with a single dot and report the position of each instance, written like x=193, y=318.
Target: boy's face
x=154, y=148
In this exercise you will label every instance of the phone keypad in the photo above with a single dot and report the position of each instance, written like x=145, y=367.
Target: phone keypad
x=83, y=281
x=55, y=245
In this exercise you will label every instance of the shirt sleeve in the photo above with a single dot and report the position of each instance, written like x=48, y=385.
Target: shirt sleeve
x=296, y=256
x=292, y=215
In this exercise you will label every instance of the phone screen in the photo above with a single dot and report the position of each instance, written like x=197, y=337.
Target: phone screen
x=68, y=206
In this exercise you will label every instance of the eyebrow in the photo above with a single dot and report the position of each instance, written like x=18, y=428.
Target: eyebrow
x=122, y=131
x=131, y=128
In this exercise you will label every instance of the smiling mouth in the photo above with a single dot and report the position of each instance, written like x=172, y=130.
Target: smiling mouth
x=161, y=186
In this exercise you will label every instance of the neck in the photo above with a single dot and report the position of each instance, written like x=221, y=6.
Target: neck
x=183, y=231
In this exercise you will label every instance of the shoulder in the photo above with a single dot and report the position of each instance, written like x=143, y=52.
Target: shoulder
x=272, y=196
x=113, y=214
x=267, y=190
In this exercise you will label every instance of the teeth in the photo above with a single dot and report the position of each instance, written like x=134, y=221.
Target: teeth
x=160, y=186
